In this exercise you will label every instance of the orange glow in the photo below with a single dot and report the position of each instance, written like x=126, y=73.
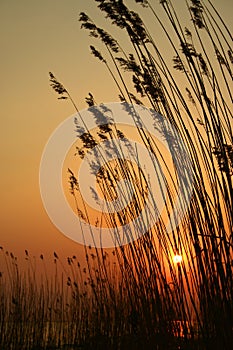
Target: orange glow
x=177, y=259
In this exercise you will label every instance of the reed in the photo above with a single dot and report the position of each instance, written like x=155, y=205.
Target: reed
x=136, y=296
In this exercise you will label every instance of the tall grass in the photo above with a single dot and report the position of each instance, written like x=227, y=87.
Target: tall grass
x=138, y=297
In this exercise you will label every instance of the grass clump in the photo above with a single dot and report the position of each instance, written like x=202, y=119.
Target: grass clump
x=136, y=296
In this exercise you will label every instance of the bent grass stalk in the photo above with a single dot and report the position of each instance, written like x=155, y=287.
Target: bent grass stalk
x=138, y=295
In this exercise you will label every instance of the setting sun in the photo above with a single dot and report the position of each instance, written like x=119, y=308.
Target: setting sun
x=177, y=259
x=117, y=174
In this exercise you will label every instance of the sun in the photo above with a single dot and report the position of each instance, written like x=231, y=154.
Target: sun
x=177, y=259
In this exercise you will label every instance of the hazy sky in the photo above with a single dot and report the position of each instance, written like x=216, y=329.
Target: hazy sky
x=38, y=37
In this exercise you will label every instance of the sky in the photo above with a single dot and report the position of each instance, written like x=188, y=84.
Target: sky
x=38, y=37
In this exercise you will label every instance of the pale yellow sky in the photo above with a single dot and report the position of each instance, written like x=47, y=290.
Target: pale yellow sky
x=38, y=37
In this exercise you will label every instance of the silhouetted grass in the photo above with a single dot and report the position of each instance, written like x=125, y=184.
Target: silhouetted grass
x=138, y=297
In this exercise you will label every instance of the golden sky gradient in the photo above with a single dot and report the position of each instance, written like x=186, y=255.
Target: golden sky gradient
x=38, y=37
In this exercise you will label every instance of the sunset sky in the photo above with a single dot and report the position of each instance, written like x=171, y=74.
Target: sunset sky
x=38, y=37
